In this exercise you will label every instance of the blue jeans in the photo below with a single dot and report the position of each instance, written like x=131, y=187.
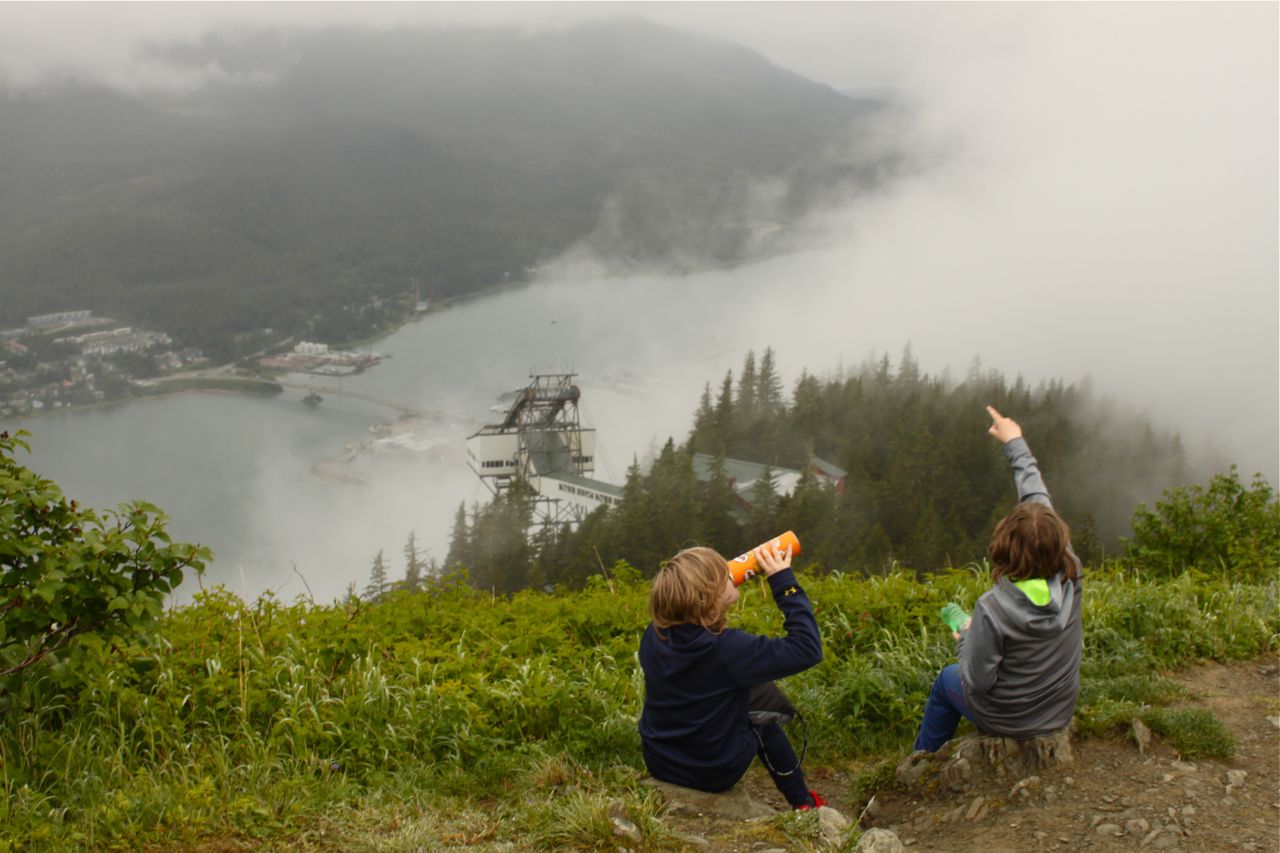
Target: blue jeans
x=943, y=711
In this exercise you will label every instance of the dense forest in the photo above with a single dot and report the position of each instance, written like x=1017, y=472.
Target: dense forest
x=322, y=180
x=924, y=487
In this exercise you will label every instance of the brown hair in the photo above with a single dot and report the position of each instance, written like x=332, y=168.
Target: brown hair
x=1032, y=541
x=688, y=589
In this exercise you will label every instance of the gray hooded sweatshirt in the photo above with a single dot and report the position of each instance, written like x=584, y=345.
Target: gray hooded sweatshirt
x=1020, y=662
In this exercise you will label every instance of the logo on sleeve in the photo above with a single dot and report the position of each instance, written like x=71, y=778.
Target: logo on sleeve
x=791, y=590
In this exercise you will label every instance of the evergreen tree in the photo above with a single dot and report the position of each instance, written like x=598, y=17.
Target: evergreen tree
x=762, y=517
x=459, y=541
x=725, y=422
x=717, y=511
x=672, y=493
x=806, y=412
x=908, y=369
x=811, y=511
x=768, y=385
x=703, y=437
x=412, y=564
x=636, y=530
x=746, y=401
x=377, y=586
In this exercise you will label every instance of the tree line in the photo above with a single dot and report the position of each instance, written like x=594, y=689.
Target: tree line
x=923, y=486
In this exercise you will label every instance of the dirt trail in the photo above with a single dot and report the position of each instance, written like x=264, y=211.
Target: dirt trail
x=1111, y=798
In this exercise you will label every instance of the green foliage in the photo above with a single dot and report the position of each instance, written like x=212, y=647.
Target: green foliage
x=65, y=572
x=272, y=720
x=1194, y=732
x=1227, y=525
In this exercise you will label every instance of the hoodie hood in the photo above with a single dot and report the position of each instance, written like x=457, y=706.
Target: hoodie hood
x=685, y=645
x=1023, y=615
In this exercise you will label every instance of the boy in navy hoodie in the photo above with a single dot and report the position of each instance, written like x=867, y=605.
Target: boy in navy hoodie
x=698, y=675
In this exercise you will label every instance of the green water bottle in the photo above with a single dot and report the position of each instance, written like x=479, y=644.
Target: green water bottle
x=954, y=615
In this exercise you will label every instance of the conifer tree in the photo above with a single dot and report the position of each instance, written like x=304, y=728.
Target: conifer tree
x=810, y=511
x=746, y=401
x=704, y=423
x=673, y=498
x=768, y=385
x=412, y=564
x=459, y=540
x=377, y=585
x=762, y=518
x=717, y=510
x=636, y=534
x=724, y=418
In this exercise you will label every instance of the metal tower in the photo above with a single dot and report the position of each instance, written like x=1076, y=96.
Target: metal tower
x=541, y=442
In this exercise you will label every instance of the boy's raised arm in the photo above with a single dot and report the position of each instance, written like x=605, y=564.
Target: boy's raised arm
x=1026, y=473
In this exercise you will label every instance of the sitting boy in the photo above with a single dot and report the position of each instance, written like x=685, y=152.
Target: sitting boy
x=699, y=676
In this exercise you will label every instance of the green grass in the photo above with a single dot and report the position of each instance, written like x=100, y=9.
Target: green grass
x=450, y=715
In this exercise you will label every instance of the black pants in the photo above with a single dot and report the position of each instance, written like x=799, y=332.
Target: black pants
x=770, y=707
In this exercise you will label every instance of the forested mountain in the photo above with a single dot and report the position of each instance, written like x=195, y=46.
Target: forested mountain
x=315, y=180
x=925, y=484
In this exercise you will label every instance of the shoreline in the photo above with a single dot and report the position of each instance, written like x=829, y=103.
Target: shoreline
x=205, y=385
x=215, y=378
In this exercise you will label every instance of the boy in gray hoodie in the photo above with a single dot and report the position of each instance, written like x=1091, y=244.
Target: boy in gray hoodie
x=1019, y=669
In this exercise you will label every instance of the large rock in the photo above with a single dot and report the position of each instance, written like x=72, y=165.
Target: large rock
x=831, y=826
x=879, y=841
x=734, y=804
x=961, y=761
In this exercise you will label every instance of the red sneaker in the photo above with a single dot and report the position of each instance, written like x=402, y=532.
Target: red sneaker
x=818, y=802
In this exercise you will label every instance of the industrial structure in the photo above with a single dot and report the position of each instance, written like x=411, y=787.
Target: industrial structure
x=542, y=443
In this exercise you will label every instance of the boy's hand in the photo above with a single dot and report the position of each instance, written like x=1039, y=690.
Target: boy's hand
x=955, y=635
x=772, y=560
x=1004, y=429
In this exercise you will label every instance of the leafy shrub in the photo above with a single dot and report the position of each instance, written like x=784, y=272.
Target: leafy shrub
x=65, y=572
x=1227, y=526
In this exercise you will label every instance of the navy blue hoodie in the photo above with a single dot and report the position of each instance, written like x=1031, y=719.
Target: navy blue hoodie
x=694, y=727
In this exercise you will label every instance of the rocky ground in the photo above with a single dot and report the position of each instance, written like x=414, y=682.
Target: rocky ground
x=1110, y=797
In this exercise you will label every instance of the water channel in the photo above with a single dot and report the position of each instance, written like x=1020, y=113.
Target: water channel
x=297, y=499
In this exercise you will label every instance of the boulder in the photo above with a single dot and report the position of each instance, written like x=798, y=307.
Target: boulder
x=734, y=804
x=831, y=825
x=879, y=841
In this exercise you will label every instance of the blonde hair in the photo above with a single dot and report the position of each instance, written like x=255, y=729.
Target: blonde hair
x=688, y=590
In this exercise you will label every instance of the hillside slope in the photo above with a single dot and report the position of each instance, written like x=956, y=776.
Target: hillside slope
x=313, y=172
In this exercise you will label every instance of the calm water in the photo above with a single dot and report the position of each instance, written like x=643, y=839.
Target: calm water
x=239, y=473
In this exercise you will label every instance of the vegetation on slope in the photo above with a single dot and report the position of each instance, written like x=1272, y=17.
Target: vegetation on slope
x=431, y=712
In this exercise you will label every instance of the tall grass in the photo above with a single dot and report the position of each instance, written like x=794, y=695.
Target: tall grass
x=263, y=720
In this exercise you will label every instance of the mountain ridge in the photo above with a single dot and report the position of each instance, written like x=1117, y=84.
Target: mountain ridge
x=342, y=165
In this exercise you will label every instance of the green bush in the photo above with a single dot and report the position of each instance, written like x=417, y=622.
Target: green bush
x=1225, y=527
x=66, y=573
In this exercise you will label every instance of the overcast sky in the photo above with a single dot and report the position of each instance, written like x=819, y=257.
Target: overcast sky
x=1104, y=205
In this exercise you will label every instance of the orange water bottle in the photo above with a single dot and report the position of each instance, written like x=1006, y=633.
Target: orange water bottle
x=744, y=566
